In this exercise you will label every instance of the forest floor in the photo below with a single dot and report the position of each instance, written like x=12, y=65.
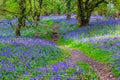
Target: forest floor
x=103, y=70
x=99, y=62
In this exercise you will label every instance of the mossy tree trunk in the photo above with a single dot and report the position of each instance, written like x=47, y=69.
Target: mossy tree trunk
x=58, y=10
x=21, y=17
x=85, y=8
x=38, y=12
x=68, y=6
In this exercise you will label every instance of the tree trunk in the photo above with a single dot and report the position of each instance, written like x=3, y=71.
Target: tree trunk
x=68, y=6
x=83, y=14
x=79, y=17
x=19, y=27
x=59, y=11
x=38, y=12
x=83, y=20
x=21, y=18
x=85, y=9
x=23, y=14
x=46, y=13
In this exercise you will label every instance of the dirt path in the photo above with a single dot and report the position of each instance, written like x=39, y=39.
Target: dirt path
x=103, y=71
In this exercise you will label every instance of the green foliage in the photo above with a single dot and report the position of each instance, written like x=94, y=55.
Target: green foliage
x=44, y=59
x=89, y=73
x=115, y=71
x=117, y=4
x=10, y=7
x=101, y=9
x=1, y=45
x=49, y=6
x=43, y=31
x=96, y=54
x=88, y=49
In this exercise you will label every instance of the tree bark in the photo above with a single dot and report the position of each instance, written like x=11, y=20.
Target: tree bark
x=59, y=11
x=68, y=6
x=38, y=12
x=21, y=18
x=85, y=9
x=19, y=27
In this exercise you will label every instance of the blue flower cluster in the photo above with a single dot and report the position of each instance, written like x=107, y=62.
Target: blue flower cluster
x=30, y=56
x=21, y=56
x=59, y=71
x=102, y=33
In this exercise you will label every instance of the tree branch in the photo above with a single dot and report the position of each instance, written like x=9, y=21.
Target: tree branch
x=86, y=2
x=4, y=10
x=98, y=3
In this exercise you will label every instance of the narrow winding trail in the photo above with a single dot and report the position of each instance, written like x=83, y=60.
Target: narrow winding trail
x=102, y=70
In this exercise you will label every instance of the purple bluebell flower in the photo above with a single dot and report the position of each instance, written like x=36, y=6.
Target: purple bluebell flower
x=119, y=68
x=0, y=74
x=32, y=79
x=40, y=76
